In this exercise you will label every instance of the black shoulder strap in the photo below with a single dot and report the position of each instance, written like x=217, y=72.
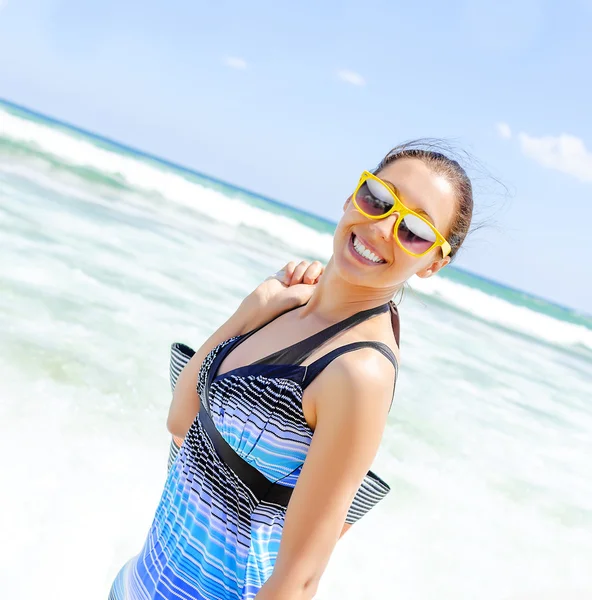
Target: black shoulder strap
x=396, y=322
x=299, y=352
x=318, y=365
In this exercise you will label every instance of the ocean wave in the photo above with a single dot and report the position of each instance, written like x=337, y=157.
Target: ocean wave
x=81, y=155
x=145, y=175
x=500, y=312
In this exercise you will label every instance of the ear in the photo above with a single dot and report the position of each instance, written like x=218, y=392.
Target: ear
x=433, y=268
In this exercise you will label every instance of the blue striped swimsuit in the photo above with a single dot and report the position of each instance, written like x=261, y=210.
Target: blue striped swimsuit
x=211, y=538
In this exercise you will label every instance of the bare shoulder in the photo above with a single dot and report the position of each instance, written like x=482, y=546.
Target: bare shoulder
x=358, y=380
x=365, y=368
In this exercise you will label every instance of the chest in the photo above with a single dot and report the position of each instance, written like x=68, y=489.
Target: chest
x=287, y=340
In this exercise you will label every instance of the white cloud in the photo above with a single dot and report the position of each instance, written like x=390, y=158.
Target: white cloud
x=504, y=131
x=233, y=62
x=565, y=153
x=351, y=77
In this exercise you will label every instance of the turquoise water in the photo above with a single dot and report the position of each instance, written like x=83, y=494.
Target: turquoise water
x=109, y=255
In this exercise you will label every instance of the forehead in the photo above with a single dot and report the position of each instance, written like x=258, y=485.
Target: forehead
x=420, y=187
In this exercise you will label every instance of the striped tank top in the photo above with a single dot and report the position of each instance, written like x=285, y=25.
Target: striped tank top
x=213, y=537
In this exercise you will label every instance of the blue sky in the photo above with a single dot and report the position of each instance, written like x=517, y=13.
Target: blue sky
x=294, y=100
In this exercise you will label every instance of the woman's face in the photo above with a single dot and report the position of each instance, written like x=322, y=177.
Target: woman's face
x=419, y=188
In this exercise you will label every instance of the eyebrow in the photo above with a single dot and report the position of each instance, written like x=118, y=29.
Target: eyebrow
x=419, y=211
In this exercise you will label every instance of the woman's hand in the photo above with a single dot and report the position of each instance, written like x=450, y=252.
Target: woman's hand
x=290, y=287
x=303, y=272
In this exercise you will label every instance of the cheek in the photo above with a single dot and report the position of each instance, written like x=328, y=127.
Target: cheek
x=348, y=219
x=341, y=233
x=406, y=265
x=350, y=213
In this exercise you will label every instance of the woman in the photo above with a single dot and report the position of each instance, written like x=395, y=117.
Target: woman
x=292, y=397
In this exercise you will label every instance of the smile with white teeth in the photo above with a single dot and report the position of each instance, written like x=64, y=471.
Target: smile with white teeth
x=363, y=251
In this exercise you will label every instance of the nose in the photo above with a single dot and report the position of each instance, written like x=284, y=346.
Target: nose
x=385, y=228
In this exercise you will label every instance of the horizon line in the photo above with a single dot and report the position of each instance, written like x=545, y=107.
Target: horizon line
x=192, y=171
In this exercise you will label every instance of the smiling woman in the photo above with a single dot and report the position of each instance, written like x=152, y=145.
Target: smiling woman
x=281, y=411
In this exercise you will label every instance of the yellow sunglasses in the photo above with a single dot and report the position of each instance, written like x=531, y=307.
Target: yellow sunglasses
x=376, y=199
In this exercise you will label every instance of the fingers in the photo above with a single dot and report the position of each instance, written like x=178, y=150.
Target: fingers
x=288, y=271
x=303, y=272
x=313, y=272
x=299, y=272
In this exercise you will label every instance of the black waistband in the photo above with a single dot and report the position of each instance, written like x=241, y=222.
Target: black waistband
x=260, y=486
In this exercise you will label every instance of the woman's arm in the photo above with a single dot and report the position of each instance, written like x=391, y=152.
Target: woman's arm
x=354, y=397
x=185, y=403
x=291, y=287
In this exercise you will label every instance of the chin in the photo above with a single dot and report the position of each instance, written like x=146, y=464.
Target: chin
x=350, y=271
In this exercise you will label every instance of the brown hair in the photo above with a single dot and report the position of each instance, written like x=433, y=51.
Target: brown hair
x=430, y=152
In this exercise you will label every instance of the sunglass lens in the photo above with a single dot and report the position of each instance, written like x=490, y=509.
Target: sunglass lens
x=374, y=198
x=415, y=234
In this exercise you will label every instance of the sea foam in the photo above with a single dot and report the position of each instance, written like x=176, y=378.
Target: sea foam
x=148, y=176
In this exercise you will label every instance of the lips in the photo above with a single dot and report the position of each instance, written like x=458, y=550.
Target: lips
x=368, y=246
x=364, y=254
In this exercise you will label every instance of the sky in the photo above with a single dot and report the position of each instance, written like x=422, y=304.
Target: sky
x=294, y=100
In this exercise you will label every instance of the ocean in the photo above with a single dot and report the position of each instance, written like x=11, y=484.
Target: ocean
x=108, y=255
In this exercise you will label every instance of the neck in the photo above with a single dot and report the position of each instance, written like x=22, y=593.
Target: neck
x=335, y=299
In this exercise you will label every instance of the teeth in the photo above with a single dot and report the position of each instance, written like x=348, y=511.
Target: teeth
x=363, y=251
